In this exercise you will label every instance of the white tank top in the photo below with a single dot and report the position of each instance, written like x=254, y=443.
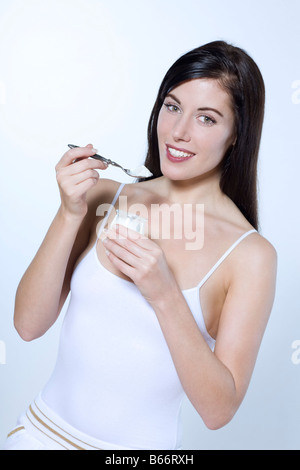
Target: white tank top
x=114, y=378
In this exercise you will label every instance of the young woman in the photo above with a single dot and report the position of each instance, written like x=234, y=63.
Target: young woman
x=150, y=317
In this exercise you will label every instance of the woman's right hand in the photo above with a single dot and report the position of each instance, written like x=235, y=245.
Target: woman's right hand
x=76, y=174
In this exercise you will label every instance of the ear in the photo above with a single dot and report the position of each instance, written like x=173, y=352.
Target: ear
x=234, y=141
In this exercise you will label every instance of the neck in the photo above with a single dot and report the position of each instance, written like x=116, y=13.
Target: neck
x=203, y=190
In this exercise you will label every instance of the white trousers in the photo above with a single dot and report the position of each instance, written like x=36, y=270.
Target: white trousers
x=39, y=428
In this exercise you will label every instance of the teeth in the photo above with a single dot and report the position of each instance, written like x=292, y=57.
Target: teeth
x=178, y=153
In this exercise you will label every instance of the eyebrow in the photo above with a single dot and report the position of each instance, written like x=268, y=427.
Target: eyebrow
x=199, y=109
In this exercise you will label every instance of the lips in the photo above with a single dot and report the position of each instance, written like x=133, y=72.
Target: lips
x=178, y=155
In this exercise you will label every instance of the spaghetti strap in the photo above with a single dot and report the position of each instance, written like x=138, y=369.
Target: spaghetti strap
x=212, y=270
x=112, y=205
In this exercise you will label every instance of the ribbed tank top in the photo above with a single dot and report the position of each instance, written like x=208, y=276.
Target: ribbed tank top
x=114, y=377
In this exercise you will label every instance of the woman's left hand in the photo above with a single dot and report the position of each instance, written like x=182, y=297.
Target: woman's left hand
x=142, y=260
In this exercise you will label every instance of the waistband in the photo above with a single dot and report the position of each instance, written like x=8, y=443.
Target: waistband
x=46, y=426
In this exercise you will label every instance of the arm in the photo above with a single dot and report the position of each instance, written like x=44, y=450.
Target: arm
x=214, y=382
x=46, y=283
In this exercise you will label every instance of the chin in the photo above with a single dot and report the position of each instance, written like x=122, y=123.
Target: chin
x=176, y=173
x=173, y=175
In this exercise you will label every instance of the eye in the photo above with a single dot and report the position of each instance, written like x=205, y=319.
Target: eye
x=208, y=121
x=172, y=107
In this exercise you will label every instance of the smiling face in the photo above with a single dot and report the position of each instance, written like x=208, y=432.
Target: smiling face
x=195, y=129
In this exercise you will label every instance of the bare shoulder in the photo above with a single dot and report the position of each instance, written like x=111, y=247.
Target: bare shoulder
x=259, y=251
x=255, y=256
x=102, y=192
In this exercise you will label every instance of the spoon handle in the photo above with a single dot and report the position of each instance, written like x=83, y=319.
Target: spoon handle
x=96, y=156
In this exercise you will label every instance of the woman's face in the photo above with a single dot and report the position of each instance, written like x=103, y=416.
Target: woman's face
x=195, y=128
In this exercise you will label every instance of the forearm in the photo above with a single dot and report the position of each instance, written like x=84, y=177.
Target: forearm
x=207, y=382
x=39, y=292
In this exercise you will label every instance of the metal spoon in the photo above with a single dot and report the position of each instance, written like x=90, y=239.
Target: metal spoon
x=139, y=172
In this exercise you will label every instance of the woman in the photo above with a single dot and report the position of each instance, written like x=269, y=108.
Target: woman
x=151, y=317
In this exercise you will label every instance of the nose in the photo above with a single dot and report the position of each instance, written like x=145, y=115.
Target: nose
x=181, y=130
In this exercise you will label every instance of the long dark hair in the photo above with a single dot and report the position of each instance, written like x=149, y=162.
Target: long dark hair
x=240, y=77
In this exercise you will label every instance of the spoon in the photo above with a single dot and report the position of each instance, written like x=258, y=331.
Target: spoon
x=139, y=172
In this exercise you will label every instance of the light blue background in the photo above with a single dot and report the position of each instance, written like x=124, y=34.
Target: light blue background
x=80, y=71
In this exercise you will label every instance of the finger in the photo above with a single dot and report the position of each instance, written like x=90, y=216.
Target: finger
x=87, y=146
x=84, y=186
x=79, y=167
x=122, y=250
x=84, y=175
x=121, y=265
x=131, y=252
x=125, y=242
x=141, y=240
x=86, y=164
x=71, y=155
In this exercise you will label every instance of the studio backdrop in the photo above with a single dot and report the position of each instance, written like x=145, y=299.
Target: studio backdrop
x=88, y=71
